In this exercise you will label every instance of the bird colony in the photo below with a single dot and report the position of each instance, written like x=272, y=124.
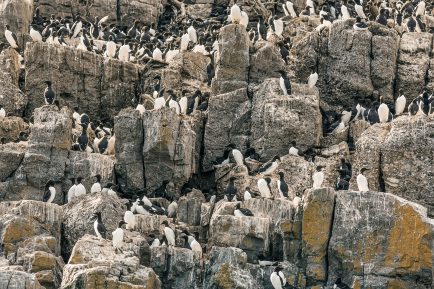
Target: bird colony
x=209, y=144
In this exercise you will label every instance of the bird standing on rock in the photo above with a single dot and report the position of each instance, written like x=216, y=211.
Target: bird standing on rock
x=264, y=187
x=98, y=226
x=284, y=82
x=242, y=212
x=277, y=278
x=362, y=181
x=96, y=187
x=169, y=233
x=49, y=192
x=282, y=185
x=49, y=94
x=118, y=236
x=231, y=190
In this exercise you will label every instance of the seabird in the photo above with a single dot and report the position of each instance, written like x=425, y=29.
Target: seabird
x=141, y=208
x=49, y=192
x=242, y=212
x=247, y=194
x=362, y=181
x=244, y=19
x=174, y=104
x=318, y=178
x=238, y=156
x=118, y=235
x=360, y=25
x=130, y=219
x=169, y=233
x=313, y=78
x=98, y=226
x=290, y=8
x=35, y=34
x=264, y=187
x=231, y=190
x=71, y=191
x=110, y=50
x=342, y=182
x=277, y=278
x=282, y=186
x=235, y=14
x=2, y=112
x=413, y=107
x=262, y=31
x=153, y=241
x=159, y=102
x=172, y=209
x=96, y=187
x=161, y=191
x=345, y=13
x=183, y=104
x=270, y=167
x=49, y=94
x=11, y=37
x=284, y=82
x=193, y=102
x=293, y=150
x=383, y=112
x=80, y=190
x=124, y=52
x=400, y=103
x=339, y=285
x=359, y=9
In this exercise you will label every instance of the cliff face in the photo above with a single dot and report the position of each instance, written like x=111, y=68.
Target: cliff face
x=378, y=239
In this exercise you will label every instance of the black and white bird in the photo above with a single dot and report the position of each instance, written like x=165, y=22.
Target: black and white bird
x=118, y=235
x=49, y=93
x=238, y=156
x=293, y=150
x=242, y=212
x=11, y=38
x=282, y=185
x=161, y=191
x=362, y=181
x=49, y=192
x=80, y=190
x=2, y=112
x=262, y=31
x=360, y=25
x=172, y=209
x=284, y=83
x=71, y=191
x=340, y=285
x=400, y=103
x=130, y=219
x=413, y=107
x=277, y=278
x=318, y=177
x=98, y=226
x=153, y=241
x=35, y=34
x=247, y=194
x=169, y=233
x=235, y=15
x=96, y=187
x=264, y=187
x=230, y=192
x=269, y=167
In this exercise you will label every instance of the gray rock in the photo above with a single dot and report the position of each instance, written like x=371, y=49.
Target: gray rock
x=235, y=107
x=128, y=130
x=11, y=155
x=47, y=151
x=266, y=63
x=232, y=62
x=18, y=14
x=375, y=236
x=11, y=97
x=189, y=208
x=277, y=119
x=99, y=87
x=13, y=279
x=11, y=127
x=10, y=64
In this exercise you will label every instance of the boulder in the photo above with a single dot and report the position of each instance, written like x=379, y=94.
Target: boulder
x=47, y=151
x=14, y=279
x=199, y=10
x=11, y=155
x=133, y=10
x=379, y=240
x=232, y=62
x=318, y=206
x=189, y=208
x=168, y=148
x=94, y=263
x=128, y=130
x=413, y=63
x=77, y=218
x=12, y=98
x=228, y=112
x=11, y=127
x=10, y=64
x=277, y=119
x=266, y=63
x=99, y=87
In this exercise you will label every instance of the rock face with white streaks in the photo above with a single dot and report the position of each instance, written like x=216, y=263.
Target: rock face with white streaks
x=374, y=242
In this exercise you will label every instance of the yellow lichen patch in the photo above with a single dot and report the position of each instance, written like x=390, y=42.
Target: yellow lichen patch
x=409, y=246
x=396, y=284
x=223, y=279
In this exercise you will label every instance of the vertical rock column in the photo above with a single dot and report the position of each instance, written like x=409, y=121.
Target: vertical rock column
x=129, y=141
x=229, y=107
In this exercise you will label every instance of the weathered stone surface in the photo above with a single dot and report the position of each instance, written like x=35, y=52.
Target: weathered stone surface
x=14, y=279
x=11, y=155
x=413, y=62
x=266, y=63
x=368, y=154
x=128, y=150
x=99, y=87
x=133, y=10
x=232, y=62
x=383, y=236
x=49, y=142
x=11, y=97
x=87, y=165
x=18, y=14
x=189, y=208
x=199, y=10
x=11, y=127
x=95, y=262
x=10, y=64
x=277, y=120
x=169, y=148
x=229, y=113
x=318, y=206
x=77, y=217
x=406, y=160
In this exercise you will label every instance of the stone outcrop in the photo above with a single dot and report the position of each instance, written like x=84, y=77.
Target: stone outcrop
x=99, y=87
x=374, y=242
x=47, y=151
x=128, y=130
x=11, y=155
x=11, y=127
x=18, y=14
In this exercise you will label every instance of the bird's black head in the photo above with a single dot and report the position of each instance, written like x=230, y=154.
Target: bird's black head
x=165, y=223
x=294, y=143
x=72, y=180
x=50, y=183
x=358, y=19
x=275, y=158
x=281, y=174
x=98, y=177
x=48, y=83
x=232, y=179
x=7, y=26
x=248, y=189
x=278, y=269
x=362, y=170
x=121, y=223
x=268, y=180
x=319, y=168
x=165, y=182
x=79, y=179
x=231, y=145
x=238, y=206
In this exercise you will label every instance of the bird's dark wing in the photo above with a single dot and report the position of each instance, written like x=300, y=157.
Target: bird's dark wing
x=265, y=167
x=49, y=95
x=102, y=230
x=47, y=195
x=287, y=85
x=102, y=146
x=246, y=212
x=15, y=38
x=284, y=188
